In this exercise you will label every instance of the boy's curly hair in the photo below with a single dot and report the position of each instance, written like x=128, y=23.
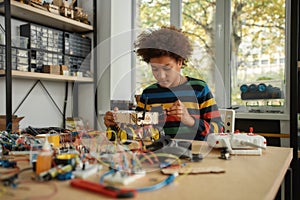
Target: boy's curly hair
x=166, y=41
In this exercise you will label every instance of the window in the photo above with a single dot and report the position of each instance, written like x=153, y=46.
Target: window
x=200, y=29
x=258, y=35
x=150, y=14
x=256, y=39
x=198, y=21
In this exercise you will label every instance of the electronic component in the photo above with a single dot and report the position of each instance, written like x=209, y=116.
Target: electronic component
x=238, y=143
x=54, y=172
x=225, y=154
x=228, y=117
x=136, y=118
x=87, y=171
x=15, y=144
x=8, y=164
x=132, y=133
x=134, y=125
x=15, y=153
x=65, y=176
x=66, y=159
x=123, y=178
x=181, y=149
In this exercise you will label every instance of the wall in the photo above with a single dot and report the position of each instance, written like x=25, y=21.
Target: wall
x=86, y=97
x=121, y=50
x=114, y=54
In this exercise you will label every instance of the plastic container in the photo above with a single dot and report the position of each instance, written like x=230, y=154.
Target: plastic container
x=2, y=38
x=20, y=42
x=44, y=158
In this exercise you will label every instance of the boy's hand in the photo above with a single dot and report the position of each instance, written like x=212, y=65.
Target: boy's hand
x=179, y=111
x=109, y=118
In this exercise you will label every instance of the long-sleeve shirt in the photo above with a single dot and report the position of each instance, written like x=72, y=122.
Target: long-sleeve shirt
x=196, y=97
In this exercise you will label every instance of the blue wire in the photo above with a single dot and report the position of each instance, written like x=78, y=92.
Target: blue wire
x=165, y=182
x=105, y=174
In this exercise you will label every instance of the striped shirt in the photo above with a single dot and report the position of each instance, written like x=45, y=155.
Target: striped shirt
x=196, y=97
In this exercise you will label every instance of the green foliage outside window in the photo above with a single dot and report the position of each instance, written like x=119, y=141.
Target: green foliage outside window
x=258, y=34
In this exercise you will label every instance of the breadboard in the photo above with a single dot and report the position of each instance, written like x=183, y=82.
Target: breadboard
x=88, y=171
x=119, y=178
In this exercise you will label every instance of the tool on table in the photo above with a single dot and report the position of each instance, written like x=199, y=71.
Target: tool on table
x=102, y=189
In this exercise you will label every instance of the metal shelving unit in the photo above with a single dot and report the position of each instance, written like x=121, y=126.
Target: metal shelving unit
x=49, y=77
x=26, y=12
x=13, y=9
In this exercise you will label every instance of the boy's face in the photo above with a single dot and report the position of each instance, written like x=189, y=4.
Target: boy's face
x=166, y=70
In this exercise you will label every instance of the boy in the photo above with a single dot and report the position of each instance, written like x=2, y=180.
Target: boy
x=190, y=108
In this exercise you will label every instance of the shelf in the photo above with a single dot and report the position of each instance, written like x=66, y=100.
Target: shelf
x=29, y=13
x=267, y=116
x=49, y=77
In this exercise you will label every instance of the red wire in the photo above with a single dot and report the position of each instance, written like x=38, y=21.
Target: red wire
x=16, y=170
x=48, y=196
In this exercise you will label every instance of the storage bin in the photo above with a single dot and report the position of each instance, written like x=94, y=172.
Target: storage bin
x=20, y=42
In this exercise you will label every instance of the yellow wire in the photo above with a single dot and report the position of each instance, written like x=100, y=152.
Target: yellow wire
x=162, y=155
x=116, y=138
x=103, y=163
x=133, y=141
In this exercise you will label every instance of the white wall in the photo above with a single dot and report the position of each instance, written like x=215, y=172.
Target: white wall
x=121, y=50
x=114, y=54
x=38, y=109
x=86, y=97
x=103, y=59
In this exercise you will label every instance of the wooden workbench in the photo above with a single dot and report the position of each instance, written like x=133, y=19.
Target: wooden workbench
x=245, y=177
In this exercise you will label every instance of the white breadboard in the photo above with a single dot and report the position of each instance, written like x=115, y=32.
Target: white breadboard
x=88, y=171
x=15, y=153
x=122, y=179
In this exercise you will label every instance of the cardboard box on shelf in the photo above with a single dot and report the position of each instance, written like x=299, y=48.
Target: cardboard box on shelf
x=51, y=69
x=15, y=123
x=64, y=70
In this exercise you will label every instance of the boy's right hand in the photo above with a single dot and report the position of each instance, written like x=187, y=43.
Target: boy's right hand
x=109, y=118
